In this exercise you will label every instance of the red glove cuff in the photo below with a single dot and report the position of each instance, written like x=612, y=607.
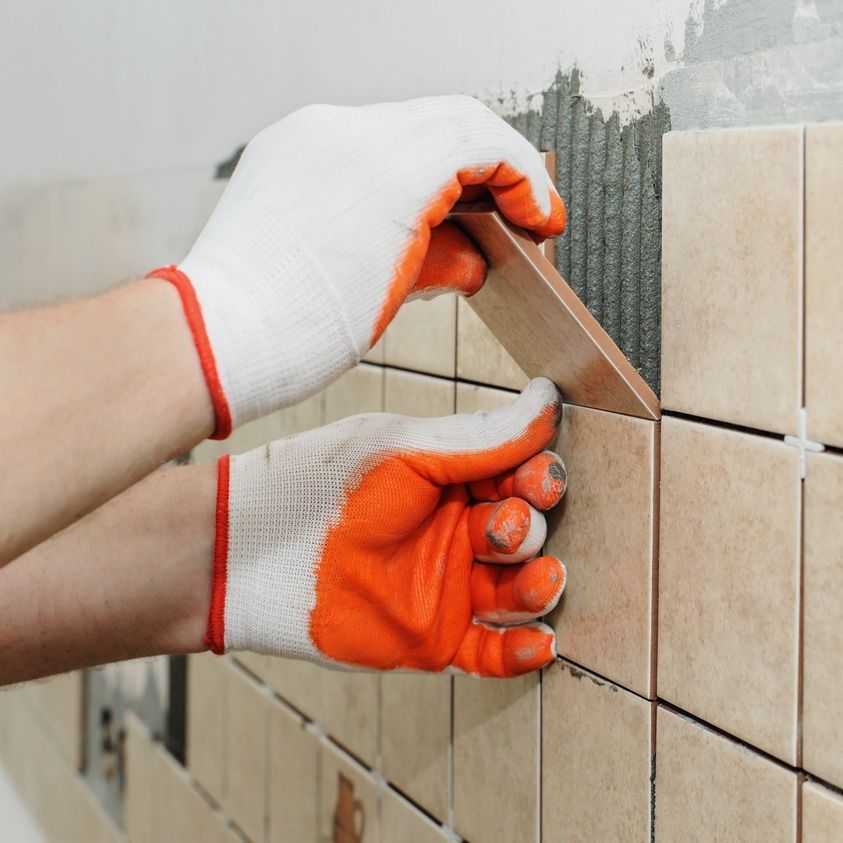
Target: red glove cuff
x=193, y=314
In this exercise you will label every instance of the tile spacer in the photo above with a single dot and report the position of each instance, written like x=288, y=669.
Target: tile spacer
x=803, y=443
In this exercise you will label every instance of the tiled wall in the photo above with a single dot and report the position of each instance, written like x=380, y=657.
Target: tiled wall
x=698, y=695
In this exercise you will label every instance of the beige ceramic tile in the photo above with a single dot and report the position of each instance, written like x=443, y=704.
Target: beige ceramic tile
x=823, y=287
x=207, y=680
x=400, y=820
x=349, y=710
x=247, y=733
x=480, y=357
x=349, y=800
x=822, y=695
x=731, y=267
x=376, y=353
x=417, y=395
x=473, y=399
x=293, y=773
x=344, y=703
x=729, y=581
x=423, y=336
x=60, y=701
x=415, y=731
x=297, y=682
x=255, y=663
x=596, y=759
x=160, y=801
x=822, y=814
x=496, y=758
x=710, y=788
x=603, y=533
x=140, y=809
x=57, y=797
x=306, y=415
x=357, y=391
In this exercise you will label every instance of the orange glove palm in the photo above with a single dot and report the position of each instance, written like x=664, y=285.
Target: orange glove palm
x=386, y=542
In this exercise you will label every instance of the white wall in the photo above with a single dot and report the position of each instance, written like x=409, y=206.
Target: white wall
x=97, y=86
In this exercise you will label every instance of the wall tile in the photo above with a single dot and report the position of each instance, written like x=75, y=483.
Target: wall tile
x=417, y=395
x=822, y=701
x=603, y=532
x=344, y=703
x=496, y=758
x=247, y=733
x=59, y=699
x=822, y=814
x=294, y=778
x=298, y=682
x=349, y=710
x=597, y=746
x=400, y=821
x=415, y=731
x=349, y=800
x=160, y=801
x=710, y=788
x=255, y=663
x=480, y=357
x=823, y=290
x=359, y=390
x=423, y=336
x=472, y=398
x=56, y=796
x=207, y=677
x=731, y=269
x=729, y=581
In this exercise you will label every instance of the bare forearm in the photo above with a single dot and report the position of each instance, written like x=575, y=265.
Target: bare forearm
x=131, y=579
x=96, y=394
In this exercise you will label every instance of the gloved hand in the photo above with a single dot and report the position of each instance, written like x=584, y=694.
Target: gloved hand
x=387, y=542
x=323, y=231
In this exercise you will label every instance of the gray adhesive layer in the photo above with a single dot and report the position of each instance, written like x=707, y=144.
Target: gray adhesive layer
x=610, y=179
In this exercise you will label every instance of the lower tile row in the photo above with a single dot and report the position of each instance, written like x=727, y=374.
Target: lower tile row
x=565, y=756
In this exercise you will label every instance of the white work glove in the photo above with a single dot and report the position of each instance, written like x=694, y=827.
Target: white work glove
x=386, y=542
x=322, y=233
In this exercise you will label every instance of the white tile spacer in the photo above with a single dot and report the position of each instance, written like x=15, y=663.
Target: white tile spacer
x=803, y=443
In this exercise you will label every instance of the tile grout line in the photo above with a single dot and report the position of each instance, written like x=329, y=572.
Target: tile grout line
x=325, y=738
x=539, y=756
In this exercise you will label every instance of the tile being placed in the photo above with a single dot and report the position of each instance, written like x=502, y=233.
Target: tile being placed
x=729, y=582
x=293, y=778
x=711, y=788
x=247, y=733
x=731, y=276
x=423, y=336
x=415, y=731
x=480, y=357
x=822, y=693
x=597, y=749
x=603, y=531
x=822, y=814
x=349, y=800
x=823, y=288
x=410, y=394
x=496, y=762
